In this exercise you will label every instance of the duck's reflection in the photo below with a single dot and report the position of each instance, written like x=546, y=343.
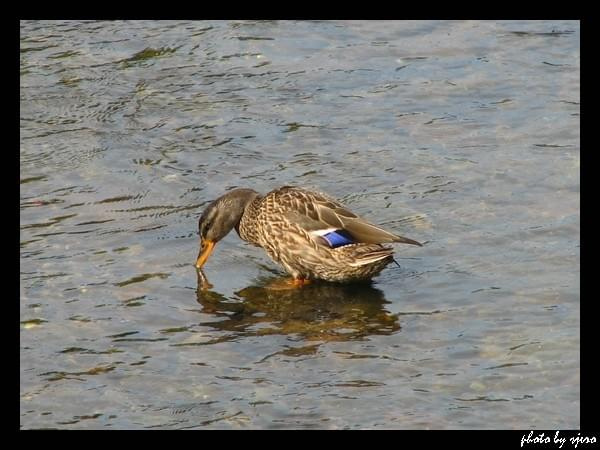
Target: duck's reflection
x=318, y=311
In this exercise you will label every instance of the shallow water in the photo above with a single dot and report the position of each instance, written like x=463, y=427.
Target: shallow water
x=462, y=135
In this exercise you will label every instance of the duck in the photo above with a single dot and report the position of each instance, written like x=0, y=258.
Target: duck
x=310, y=234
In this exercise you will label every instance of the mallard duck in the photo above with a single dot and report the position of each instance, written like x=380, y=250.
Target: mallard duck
x=310, y=234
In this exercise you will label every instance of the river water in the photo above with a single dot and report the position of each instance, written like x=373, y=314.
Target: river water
x=460, y=134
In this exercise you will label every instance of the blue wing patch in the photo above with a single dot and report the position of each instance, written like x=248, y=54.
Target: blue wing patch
x=338, y=238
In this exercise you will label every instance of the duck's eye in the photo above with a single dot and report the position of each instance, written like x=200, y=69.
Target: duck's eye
x=204, y=228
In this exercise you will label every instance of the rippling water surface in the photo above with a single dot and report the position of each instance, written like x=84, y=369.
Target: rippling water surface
x=463, y=135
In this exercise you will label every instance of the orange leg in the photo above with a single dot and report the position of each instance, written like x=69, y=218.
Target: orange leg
x=287, y=283
x=300, y=281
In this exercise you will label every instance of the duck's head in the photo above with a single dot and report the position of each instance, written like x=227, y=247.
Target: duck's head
x=219, y=218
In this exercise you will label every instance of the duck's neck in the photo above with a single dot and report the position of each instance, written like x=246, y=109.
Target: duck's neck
x=246, y=226
x=237, y=202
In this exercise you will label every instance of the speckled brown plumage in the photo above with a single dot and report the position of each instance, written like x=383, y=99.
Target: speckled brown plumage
x=287, y=223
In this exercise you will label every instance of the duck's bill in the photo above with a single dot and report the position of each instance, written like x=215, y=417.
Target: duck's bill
x=206, y=248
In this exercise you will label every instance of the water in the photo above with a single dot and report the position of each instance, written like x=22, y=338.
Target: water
x=463, y=135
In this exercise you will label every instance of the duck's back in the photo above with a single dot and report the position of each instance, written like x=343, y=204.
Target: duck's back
x=314, y=236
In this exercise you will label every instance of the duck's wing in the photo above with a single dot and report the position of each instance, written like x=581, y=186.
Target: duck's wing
x=319, y=214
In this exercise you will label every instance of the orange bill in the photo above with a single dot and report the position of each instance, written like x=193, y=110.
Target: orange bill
x=206, y=248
